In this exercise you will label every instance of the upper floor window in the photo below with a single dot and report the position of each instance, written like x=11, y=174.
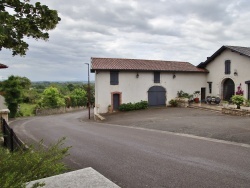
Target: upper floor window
x=114, y=77
x=157, y=77
x=227, y=67
x=210, y=87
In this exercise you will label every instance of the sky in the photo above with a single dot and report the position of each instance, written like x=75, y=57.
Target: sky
x=171, y=30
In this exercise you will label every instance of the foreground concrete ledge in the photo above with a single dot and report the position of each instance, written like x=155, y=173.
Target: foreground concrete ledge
x=87, y=177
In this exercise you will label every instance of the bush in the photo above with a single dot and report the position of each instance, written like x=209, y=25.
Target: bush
x=247, y=102
x=51, y=98
x=238, y=100
x=182, y=94
x=20, y=167
x=133, y=106
x=173, y=102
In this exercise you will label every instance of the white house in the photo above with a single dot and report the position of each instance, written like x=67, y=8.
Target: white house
x=120, y=81
x=229, y=68
x=132, y=80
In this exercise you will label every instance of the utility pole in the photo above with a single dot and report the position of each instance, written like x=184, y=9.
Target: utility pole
x=88, y=91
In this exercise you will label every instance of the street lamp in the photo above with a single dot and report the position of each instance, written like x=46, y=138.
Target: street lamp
x=88, y=90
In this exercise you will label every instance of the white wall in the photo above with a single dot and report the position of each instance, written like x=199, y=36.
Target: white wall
x=136, y=89
x=217, y=74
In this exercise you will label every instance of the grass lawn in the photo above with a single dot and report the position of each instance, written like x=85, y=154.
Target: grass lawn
x=27, y=109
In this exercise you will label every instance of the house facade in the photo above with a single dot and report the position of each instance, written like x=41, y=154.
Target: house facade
x=229, y=68
x=120, y=81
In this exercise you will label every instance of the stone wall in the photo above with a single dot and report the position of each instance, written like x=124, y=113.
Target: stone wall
x=182, y=102
x=61, y=110
x=236, y=112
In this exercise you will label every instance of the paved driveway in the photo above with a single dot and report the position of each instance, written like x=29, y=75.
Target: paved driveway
x=188, y=121
x=141, y=158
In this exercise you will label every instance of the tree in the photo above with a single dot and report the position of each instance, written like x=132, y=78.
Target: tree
x=13, y=90
x=78, y=97
x=27, y=21
x=92, y=92
x=51, y=98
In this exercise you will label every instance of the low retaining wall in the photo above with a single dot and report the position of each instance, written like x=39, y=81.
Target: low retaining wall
x=236, y=112
x=182, y=102
x=61, y=110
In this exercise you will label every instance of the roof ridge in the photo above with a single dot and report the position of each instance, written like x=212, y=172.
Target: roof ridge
x=113, y=58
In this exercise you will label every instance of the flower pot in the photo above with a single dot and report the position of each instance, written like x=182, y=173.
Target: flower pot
x=109, y=109
x=196, y=100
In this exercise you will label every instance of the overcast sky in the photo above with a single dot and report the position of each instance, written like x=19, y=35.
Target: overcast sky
x=176, y=30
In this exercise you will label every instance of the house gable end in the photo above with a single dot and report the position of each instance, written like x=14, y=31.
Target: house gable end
x=237, y=49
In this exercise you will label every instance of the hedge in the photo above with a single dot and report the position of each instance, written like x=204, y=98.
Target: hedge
x=133, y=106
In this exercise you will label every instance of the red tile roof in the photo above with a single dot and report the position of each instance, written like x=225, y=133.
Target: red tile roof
x=142, y=65
x=2, y=66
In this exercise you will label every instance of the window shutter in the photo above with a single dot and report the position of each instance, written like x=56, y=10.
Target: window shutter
x=114, y=77
x=227, y=67
x=157, y=77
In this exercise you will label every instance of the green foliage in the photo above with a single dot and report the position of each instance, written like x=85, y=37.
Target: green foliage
x=51, y=98
x=20, y=19
x=173, y=103
x=238, y=100
x=30, y=96
x=13, y=90
x=182, y=94
x=247, y=102
x=78, y=97
x=27, y=109
x=133, y=106
x=196, y=94
x=20, y=167
x=92, y=92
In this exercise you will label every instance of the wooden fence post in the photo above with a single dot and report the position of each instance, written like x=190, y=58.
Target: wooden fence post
x=11, y=140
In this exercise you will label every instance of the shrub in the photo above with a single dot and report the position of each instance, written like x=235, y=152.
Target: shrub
x=182, y=94
x=20, y=167
x=247, y=102
x=238, y=100
x=133, y=106
x=173, y=102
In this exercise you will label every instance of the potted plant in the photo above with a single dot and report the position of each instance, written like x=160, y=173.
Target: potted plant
x=238, y=100
x=196, y=96
x=109, y=109
x=225, y=104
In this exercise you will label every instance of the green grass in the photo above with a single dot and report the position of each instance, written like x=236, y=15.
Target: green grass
x=27, y=109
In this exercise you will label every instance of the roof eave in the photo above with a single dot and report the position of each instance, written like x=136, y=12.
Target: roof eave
x=136, y=70
x=218, y=52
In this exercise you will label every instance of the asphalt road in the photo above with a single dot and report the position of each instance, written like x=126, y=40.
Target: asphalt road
x=132, y=157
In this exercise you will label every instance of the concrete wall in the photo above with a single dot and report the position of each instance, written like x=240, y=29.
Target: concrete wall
x=134, y=89
x=216, y=68
x=61, y=110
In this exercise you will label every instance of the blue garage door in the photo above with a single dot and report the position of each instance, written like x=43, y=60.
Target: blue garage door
x=157, y=96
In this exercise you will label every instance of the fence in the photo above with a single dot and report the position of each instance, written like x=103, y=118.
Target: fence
x=11, y=141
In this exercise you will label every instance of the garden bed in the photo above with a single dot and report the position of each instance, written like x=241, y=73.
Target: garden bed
x=236, y=112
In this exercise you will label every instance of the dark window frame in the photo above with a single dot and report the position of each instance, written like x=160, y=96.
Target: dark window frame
x=227, y=67
x=157, y=77
x=114, y=77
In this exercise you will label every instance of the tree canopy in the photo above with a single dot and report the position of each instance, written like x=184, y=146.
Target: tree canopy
x=51, y=98
x=19, y=19
x=13, y=90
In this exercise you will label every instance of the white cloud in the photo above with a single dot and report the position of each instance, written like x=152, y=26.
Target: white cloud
x=181, y=30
